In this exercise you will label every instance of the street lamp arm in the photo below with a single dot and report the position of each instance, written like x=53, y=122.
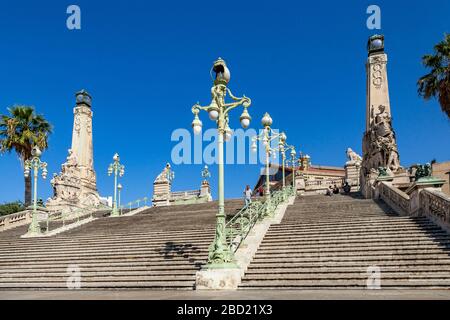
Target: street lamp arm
x=239, y=99
x=197, y=107
x=244, y=101
x=288, y=147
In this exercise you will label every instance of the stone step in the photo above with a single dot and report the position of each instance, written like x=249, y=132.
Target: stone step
x=108, y=267
x=318, y=276
x=135, y=261
x=107, y=255
x=144, y=245
x=358, y=238
x=323, y=259
x=335, y=210
x=48, y=276
x=345, y=284
x=300, y=250
x=350, y=224
x=106, y=238
x=137, y=284
x=319, y=265
x=105, y=252
x=349, y=253
x=262, y=272
x=358, y=220
x=297, y=219
x=361, y=232
x=331, y=245
x=355, y=228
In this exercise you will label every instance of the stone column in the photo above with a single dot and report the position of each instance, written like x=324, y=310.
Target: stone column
x=75, y=186
x=379, y=141
x=82, y=144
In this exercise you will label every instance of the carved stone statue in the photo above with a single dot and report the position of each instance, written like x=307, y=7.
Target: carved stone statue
x=380, y=146
x=422, y=171
x=164, y=176
x=353, y=156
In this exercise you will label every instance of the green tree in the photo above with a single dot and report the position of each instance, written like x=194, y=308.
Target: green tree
x=20, y=131
x=437, y=83
x=11, y=207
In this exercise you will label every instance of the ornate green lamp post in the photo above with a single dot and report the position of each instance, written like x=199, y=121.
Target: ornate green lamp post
x=267, y=136
x=35, y=164
x=220, y=256
x=118, y=169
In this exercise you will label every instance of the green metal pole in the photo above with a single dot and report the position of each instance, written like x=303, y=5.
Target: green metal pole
x=119, y=198
x=35, y=173
x=293, y=172
x=114, y=211
x=221, y=256
x=283, y=159
x=34, y=226
x=268, y=206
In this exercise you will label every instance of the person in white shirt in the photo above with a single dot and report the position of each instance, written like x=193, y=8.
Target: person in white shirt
x=248, y=195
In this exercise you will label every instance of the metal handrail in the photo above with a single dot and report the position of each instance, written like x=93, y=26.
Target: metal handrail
x=65, y=216
x=135, y=202
x=240, y=225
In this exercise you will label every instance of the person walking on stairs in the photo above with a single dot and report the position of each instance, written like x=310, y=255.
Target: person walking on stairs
x=248, y=195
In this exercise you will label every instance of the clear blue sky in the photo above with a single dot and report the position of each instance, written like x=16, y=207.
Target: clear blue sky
x=146, y=62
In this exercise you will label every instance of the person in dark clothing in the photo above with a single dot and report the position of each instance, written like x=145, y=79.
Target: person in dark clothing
x=335, y=189
x=347, y=187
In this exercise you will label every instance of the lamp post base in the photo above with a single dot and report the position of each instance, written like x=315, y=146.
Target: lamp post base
x=218, y=279
x=33, y=231
x=115, y=213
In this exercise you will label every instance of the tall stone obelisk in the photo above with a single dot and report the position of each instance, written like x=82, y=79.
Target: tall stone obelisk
x=380, y=153
x=75, y=186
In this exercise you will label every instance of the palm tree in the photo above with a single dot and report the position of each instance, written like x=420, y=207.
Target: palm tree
x=20, y=131
x=437, y=83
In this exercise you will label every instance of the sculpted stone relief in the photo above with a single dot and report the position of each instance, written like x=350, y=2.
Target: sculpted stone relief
x=381, y=149
x=67, y=185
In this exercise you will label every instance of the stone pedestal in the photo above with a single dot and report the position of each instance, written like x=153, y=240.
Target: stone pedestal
x=218, y=279
x=75, y=186
x=205, y=190
x=414, y=190
x=352, y=174
x=162, y=187
x=300, y=185
x=161, y=193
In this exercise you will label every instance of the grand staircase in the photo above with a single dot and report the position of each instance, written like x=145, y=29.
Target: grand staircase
x=160, y=248
x=339, y=242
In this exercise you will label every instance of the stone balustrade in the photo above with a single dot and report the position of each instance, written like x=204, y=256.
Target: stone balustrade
x=430, y=202
x=184, y=194
x=315, y=185
x=395, y=198
x=436, y=205
x=15, y=219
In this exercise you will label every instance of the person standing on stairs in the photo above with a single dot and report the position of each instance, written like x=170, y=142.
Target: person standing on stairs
x=248, y=195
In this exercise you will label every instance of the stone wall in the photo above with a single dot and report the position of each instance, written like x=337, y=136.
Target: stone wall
x=442, y=171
